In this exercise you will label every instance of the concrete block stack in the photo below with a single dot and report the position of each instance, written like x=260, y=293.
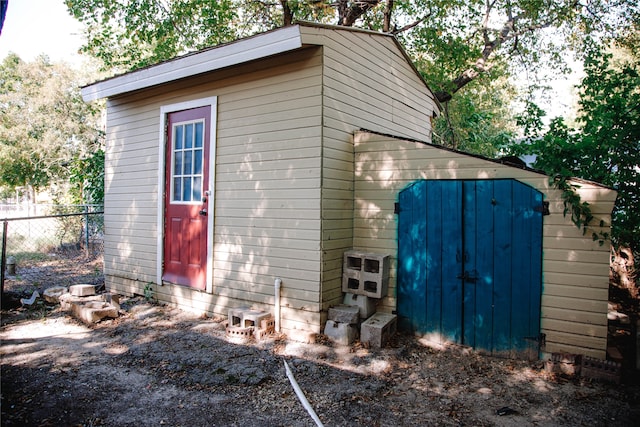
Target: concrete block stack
x=245, y=322
x=377, y=330
x=82, y=302
x=366, y=274
x=365, y=280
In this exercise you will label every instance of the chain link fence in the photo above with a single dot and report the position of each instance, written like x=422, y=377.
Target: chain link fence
x=60, y=246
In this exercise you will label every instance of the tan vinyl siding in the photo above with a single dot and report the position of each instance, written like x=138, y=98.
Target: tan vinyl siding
x=575, y=269
x=267, y=195
x=367, y=83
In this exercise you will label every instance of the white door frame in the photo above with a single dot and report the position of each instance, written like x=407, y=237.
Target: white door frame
x=212, y=102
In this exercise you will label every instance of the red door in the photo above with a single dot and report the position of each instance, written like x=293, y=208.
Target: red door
x=186, y=193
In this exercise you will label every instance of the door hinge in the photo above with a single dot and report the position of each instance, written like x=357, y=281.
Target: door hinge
x=543, y=208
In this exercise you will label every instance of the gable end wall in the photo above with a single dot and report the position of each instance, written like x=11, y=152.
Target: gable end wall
x=367, y=83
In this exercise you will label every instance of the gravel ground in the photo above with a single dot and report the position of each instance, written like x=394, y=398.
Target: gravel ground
x=156, y=365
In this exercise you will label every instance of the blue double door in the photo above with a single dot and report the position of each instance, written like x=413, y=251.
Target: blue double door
x=470, y=263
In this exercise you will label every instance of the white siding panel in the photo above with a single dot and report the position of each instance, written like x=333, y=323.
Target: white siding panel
x=365, y=84
x=227, y=55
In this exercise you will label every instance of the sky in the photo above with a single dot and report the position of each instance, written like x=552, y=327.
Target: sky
x=34, y=27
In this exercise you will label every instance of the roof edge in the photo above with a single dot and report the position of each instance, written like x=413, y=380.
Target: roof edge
x=273, y=42
x=503, y=162
x=270, y=43
x=378, y=33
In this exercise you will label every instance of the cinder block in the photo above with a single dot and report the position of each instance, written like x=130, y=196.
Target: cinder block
x=366, y=305
x=564, y=363
x=378, y=329
x=238, y=332
x=113, y=299
x=267, y=327
x=365, y=273
x=82, y=290
x=345, y=314
x=235, y=315
x=340, y=333
x=93, y=311
x=252, y=318
x=601, y=370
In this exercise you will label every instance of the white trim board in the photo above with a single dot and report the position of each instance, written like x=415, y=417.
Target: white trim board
x=261, y=46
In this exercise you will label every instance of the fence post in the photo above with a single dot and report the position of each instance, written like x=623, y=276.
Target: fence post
x=86, y=231
x=4, y=255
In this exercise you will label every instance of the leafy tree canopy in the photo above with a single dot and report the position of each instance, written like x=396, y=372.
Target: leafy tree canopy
x=46, y=127
x=477, y=45
x=605, y=146
x=455, y=41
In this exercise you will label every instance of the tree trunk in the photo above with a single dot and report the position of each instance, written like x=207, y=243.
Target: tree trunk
x=386, y=25
x=287, y=14
x=348, y=14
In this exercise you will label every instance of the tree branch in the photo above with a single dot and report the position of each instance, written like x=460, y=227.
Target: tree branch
x=411, y=25
x=388, y=9
x=287, y=14
x=349, y=14
x=507, y=32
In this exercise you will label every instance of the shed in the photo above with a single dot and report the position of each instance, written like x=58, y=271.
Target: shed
x=234, y=166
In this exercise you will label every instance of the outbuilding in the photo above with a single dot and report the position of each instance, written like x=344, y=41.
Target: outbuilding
x=260, y=162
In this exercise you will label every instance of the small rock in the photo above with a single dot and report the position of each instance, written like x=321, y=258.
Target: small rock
x=82, y=290
x=52, y=295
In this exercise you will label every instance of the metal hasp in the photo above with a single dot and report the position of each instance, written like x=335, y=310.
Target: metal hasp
x=469, y=278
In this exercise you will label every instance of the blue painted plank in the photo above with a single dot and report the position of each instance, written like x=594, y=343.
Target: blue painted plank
x=527, y=262
x=470, y=229
x=408, y=260
x=450, y=249
x=503, y=274
x=419, y=238
x=483, y=267
x=433, y=219
x=405, y=262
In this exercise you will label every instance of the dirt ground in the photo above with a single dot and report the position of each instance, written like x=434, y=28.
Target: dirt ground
x=156, y=365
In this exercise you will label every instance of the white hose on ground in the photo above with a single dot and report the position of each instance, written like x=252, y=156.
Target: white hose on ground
x=301, y=396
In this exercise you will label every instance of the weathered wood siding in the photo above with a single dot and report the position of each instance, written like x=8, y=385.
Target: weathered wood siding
x=575, y=268
x=367, y=84
x=267, y=188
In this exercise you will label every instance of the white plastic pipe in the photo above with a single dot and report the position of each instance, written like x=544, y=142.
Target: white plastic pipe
x=301, y=396
x=278, y=284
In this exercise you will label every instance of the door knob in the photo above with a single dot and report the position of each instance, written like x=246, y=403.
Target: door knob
x=203, y=212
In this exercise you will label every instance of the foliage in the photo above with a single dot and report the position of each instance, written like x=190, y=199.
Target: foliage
x=46, y=126
x=455, y=40
x=149, y=293
x=128, y=34
x=605, y=147
x=479, y=119
x=470, y=44
x=87, y=177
